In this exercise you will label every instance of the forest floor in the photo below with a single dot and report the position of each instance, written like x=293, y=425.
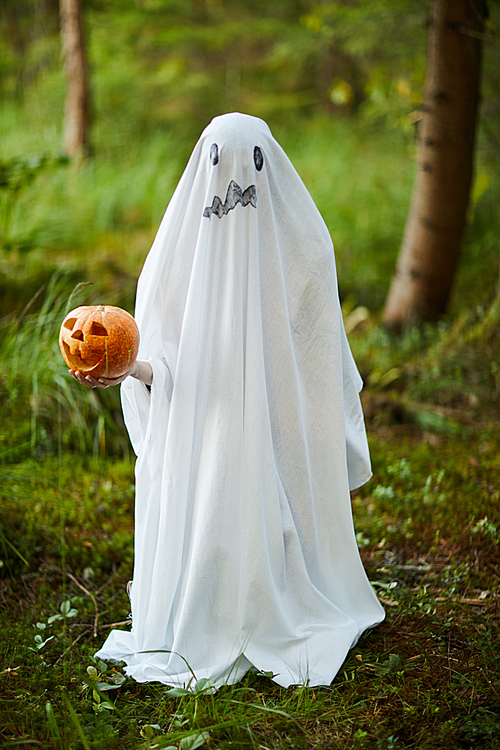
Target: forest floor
x=427, y=526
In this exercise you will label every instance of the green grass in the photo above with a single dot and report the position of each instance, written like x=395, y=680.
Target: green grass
x=425, y=678
x=427, y=524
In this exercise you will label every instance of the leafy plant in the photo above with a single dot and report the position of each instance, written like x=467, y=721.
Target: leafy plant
x=66, y=611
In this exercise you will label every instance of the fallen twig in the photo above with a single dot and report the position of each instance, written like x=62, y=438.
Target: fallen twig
x=490, y=684
x=114, y=624
x=105, y=585
x=71, y=646
x=94, y=600
x=475, y=602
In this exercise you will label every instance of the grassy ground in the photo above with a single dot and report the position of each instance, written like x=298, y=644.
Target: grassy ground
x=426, y=678
x=427, y=525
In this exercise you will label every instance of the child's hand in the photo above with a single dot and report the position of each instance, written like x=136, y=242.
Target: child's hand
x=140, y=370
x=90, y=382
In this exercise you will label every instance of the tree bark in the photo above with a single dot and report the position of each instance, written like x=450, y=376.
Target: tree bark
x=431, y=246
x=199, y=13
x=77, y=107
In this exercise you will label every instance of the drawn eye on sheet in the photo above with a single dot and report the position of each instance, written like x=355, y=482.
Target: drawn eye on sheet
x=258, y=158
x=235, y=194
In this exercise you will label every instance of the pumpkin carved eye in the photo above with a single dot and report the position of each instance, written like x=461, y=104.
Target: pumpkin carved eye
x=97, y=329
x=69, y=324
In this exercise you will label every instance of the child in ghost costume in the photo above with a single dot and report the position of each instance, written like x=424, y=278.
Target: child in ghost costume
x=251, y=433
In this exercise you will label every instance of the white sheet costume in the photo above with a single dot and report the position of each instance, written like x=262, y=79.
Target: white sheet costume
x=245, y=553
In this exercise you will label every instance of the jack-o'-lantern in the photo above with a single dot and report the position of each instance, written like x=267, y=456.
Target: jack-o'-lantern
x=99, y=340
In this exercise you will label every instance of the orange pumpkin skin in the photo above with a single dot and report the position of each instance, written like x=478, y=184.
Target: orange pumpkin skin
x=99, y=340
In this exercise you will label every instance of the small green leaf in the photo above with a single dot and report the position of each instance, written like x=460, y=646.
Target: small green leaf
x=106, y=686
x=67, y=610
x=117, y=678
x=203, y=685
x=74, y=719
x=387, y=586
x=40, y=643
x=148, y=731
x=54, y=729
x=194, y=741
x=177, y=692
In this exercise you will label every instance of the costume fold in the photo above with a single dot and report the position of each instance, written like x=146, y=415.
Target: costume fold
x=252, y=436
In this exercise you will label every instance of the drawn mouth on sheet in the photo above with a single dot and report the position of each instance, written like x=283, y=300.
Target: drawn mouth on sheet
x=234, y=196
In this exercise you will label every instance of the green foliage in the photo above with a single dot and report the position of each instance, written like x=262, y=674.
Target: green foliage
x=361, y=181
x=428, y=524
x=426, y=676
x=16, y=176
x=444, y=378
x=434, y=493
x=51, y=509
x=180, y=63
x=340, y=85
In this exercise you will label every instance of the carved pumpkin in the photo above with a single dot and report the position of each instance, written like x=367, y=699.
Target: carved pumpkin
x=101, y=340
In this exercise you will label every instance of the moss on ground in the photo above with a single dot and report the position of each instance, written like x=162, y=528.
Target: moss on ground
x=427, y=677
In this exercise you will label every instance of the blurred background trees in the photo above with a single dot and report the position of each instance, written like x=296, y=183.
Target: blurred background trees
x=77, y=108
x=341, y=85
x=335, y=80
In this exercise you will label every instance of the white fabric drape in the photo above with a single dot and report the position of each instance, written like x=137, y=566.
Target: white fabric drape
x=245, y=552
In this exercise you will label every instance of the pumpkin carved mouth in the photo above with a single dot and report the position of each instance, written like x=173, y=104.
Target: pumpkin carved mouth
x=83, y=359
x=99, y=340
x=82, y=352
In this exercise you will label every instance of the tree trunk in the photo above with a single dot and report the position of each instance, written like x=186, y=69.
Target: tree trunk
x=199, y=12
x=77, y=108
x=429, y=254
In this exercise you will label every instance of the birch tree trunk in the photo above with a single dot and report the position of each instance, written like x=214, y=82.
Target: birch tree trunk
x=429, y=254
x=77, y=107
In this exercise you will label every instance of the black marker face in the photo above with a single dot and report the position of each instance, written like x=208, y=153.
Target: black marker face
x=258, y=158
x=235, y=194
